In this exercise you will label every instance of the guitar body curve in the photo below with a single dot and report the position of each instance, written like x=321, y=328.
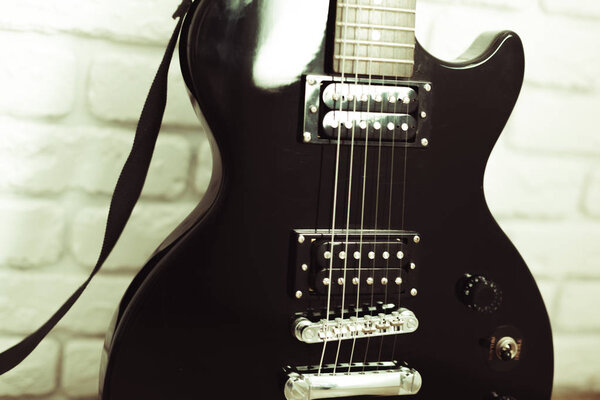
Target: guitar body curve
x=210, y=315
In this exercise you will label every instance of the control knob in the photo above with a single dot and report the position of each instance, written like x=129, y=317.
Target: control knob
x=479, y=293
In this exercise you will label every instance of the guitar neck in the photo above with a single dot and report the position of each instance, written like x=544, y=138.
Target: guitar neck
x=375, y=37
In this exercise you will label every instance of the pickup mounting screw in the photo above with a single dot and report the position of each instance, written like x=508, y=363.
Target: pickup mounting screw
x=304, y=267
x=423, y=114
x=424, y=142
x=307, y=137
x=416, y=239
x=298, y=294
x=413, y=292
x=427, y=87
x=301, y=239
x=313, y=109
x=312, y=82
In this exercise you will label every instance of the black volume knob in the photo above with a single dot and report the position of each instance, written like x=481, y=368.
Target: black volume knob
x=479, y=293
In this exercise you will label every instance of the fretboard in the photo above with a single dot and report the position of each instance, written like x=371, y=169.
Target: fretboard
x=375, y=37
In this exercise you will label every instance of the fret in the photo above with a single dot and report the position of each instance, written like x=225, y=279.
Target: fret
x=370, y=26
x=375, y=37
x=372, y=59
x=377, y=8
x=375, y=43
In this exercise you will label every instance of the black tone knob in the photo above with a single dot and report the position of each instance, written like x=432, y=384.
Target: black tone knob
x=479, y=294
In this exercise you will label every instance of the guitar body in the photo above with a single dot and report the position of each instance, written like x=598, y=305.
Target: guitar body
x=209, y=316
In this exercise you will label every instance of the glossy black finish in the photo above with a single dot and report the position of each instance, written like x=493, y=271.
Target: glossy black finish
x=209, y=316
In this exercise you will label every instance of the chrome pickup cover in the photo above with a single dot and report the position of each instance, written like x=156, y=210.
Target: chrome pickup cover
x=395, y=323
x=396, y=381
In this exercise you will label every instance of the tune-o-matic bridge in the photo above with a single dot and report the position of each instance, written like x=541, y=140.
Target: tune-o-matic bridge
x=373, y=111
x=395, y=323
x=358, y=379
x=365, y=263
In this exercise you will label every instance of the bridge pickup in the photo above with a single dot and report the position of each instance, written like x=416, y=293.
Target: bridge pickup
x=373, y=98
x=395, y=323
x=367, y=263
x=384, y=379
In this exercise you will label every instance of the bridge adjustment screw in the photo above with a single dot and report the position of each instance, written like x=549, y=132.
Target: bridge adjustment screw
x=424, y=142
x=298, y=294
x=307, y=137
x=416, y=239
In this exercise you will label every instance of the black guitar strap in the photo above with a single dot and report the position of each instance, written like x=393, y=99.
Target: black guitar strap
x=126, y=194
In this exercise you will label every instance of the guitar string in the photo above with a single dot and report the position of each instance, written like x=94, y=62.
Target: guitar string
x=349, y=202
x=364, y=185
x=374, y=260
x=335, y=187
x=405, y=175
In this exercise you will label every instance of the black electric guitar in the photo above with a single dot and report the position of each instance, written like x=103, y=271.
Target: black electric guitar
x=344, y=247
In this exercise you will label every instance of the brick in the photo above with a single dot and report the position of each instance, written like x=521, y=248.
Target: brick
x=39, y=159
x=550, y=294
x=80, y=367
x=27, y=300
x=119, y=83
x=37, y=374
x=33, y=88
x=31, y=233
x=575, y=312
x=557, y=50
x=542, y=122
x=203, y=166
x=139, y=21
x=148, y=226
x=558, y=249
x=575, y=8
x=592, y=195
x=576, y=360
x=519, y=185
x=500, y=4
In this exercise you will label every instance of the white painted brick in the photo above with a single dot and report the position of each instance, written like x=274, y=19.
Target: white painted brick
x=37, y=374
x=558, y=51
x=81, y=367
x=575, y=8
x=203, y=166
x=558, y=249
x=576, y=362
x=592, y=196
x=519, y=185
x=141, y=21
x=148, y=226
x=91, y=314
x=39, y=159
x=30, y=86
x=31, y=233
x=119, y=83
x=578, y=311
x=549, y=291
x=28, y=300
x=543, y=120
x=501, y=4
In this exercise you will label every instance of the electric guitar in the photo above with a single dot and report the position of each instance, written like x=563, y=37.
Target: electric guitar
x=344, y=247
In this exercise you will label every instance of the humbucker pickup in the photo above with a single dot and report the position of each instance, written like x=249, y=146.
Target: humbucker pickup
x=372, y=111
x=368, y=263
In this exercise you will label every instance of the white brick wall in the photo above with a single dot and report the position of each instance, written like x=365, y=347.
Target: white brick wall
x=73, y=78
